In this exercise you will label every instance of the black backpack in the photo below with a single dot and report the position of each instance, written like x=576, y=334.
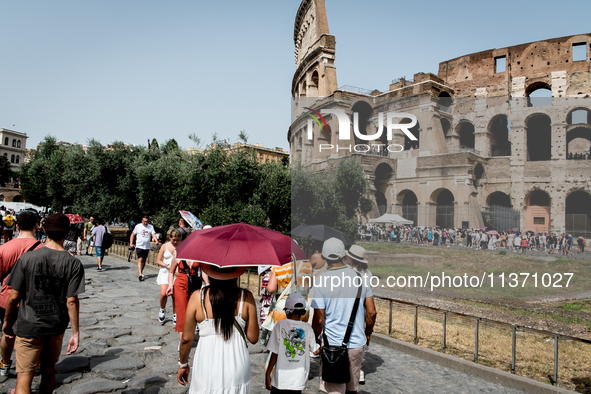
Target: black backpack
x=107, y=240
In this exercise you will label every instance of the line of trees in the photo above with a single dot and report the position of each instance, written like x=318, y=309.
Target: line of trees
x=218, y=186
x=126, y=182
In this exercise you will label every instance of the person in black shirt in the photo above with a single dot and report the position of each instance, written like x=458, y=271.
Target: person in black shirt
x=46, y=283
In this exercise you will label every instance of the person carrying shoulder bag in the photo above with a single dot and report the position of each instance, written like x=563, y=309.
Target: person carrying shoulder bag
x=349, y=305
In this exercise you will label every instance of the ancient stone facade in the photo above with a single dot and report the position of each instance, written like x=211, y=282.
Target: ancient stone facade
x=490, y=151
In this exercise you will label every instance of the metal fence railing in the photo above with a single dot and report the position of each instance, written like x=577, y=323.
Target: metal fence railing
x=477, y=321
x=578, y=224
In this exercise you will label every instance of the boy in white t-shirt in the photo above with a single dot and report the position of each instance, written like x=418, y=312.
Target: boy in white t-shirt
x=290, y=345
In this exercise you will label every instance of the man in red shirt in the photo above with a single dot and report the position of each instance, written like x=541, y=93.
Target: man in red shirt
x=10, y=252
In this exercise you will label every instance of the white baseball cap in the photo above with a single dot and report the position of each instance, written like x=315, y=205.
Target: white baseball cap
x=333, y=249
x=295, y=302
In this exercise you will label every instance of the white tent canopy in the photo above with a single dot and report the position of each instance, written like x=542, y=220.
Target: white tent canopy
x=391, y=218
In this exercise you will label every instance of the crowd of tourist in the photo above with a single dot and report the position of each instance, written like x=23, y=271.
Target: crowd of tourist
x=297, y=319
x=481, y=239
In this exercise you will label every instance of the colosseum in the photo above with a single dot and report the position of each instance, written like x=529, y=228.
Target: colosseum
x=502, y=136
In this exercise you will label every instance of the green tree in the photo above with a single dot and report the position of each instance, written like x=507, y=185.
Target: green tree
x=5, y=171
x=335, y=197
x=124, y=182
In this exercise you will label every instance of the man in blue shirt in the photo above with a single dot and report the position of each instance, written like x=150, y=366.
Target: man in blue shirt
x=334, y=298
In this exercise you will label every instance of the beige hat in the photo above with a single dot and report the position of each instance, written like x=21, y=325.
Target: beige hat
x=356, y=252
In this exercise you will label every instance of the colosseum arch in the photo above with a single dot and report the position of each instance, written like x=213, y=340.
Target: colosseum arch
x=382, y=174
x=313, y=86
x=416, y=131
x=444, y=210
x=364, y=112
x=577, y=214
x=478, y=173
x=410, y=205
x=499, y=199
x=499, y=128
x=537, y=211
x=539, y=137
x=578, y=134
x=579, y=115
x=539, y=94
x=465, y=129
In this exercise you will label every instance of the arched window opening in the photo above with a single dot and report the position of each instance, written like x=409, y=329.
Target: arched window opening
x=539, y=138
x=578, y=144
x=6, y=141
x=539, y=199
x=364, y=112
x=382, y=175
x=499, y=199
x=415, y=130
x=540, y=94
x=17, y=159
x=478, y=173
x=325, y=133
x=14, y=143
x=578, y=214
x=18, y=143
x=444, y=214
x=12, y=159
x=500, y=127
x=579, y=116
x=313, y=87
x=410, y=207
x=467, y=137
x=444, y=102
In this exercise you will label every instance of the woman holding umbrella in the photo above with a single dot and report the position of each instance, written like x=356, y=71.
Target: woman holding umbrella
x=227, y=318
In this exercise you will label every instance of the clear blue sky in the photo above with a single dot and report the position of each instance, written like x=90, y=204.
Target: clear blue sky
x=135, y=70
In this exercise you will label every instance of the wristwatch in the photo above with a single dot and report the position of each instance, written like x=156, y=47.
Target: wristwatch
x=185, y=365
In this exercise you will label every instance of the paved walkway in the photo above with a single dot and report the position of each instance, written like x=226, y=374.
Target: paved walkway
x=125, y=349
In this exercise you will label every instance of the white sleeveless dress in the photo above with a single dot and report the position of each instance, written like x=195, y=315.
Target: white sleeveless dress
x=219, y=366
x=162, y=278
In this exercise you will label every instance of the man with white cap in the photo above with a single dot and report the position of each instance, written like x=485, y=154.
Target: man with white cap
x=333, y=309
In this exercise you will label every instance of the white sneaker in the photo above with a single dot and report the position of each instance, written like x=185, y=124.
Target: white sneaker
x=162, y=315
x=361, y=377
x=174, y=318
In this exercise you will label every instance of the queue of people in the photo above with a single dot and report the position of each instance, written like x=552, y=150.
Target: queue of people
x=479, y=239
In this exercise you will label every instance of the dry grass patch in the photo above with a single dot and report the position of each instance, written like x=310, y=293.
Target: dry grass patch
x=534, y=352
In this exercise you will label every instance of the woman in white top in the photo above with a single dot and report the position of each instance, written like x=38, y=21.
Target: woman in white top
x=166, y=255
x=227, y=317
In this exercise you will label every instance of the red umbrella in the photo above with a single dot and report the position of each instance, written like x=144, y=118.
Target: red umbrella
x=75, y=219
x=493, y=232
x=239, y=245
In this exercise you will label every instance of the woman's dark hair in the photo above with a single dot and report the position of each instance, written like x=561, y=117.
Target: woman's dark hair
x=223, y=295
x=98, y=221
